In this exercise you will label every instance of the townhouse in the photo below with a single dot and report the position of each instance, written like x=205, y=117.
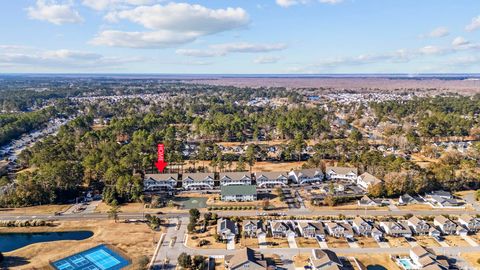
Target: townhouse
x=159, y=182
x=445, y=225
x=341, y=173
x=306, y=176
x=235, y=178
x=195, y=181
x=418, y=226
x=238, y=193
x=271, y=179
x=396, y=228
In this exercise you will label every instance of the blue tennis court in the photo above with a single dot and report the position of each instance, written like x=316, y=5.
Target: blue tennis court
x=97, y=258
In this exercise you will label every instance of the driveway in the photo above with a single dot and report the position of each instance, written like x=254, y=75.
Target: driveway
x=231, y=243
x=442, y=243
x=383, y=244
x=322, y=244
x=262, y=241
x=291, y=241
x=470, y=241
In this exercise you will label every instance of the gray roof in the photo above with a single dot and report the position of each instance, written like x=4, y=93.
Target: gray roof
x=235, y=175
x=239, y=190
x=197, y=176
x=271, y=175
x=342, y=170
x=162, y=176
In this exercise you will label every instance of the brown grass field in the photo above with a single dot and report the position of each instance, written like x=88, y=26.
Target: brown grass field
x=135, y=240
x=380, y=259
x=307, y=242
x=301, y=260
x=208, y=235
x=473, y=258
x=366, y=242
x=40, y=209
x=427, y=241
x=337, y=242
x=282, y=242
x=397, y=242
x=251, y=242
x=456, y=241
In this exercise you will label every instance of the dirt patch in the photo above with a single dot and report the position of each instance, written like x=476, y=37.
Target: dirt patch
x=427, y=241
x=137, y=241
x=473, y=258
x=337, y=242
x=307, y=242
x=398, y=242
x=366, y=242
x=456, y=241
x=251, y=242
x=277, y=242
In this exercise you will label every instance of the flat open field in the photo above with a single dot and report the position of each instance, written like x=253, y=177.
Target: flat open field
x=414, y=207
x=40, y=209
x=248, y=242
x=135, y=240
x=261, y=166
x=379, y=261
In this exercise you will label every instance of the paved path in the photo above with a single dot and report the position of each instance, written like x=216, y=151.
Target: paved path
x=323, y=244
x=262, y=241
x=231, y=244
x=291, y=242
x=470, y=241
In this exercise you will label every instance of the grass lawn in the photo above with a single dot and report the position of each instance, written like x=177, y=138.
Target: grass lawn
x=337, y=242
x=397, y=242
x=456, y=241
x=301, y=260
x=413, y=207
x=219, y=264
x=40, y=209
x=379, y=261
x=427, y=241
x=366, y=242
x=475, y=237
x=135, y=240
x=251, y=242
x=307, y=242
x=208, y=235
x=277, y=242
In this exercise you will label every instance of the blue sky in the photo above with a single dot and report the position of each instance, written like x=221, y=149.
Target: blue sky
x=240, y=36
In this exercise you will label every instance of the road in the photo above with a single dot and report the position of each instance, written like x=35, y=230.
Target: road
x=246, y=213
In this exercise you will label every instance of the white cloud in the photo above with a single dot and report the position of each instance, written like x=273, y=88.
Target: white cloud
x=437, y=33
x=266, y=59
x=459, y=42
x=170, y=24
x=226, y=48
x=474, y=24
x=288, y=3
x=54, y=12
x=62, y=58
x=114, y=4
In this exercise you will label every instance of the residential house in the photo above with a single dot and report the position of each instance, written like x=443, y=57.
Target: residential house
x=396, y=229
x=445, y=225
x=156, y=182
x=442, y=202
x=195, y=181
x=361, y=226
x=311, y=229
x=341, y=173
x=425, y=259
x=366, y=201
x=407, y=199
x=418, y=226
x=306, y=176
x=227, y=229
x=472, y=224
x=325, y=259
x=366, y=180
x=246, y=259
x=241, y=193
x=439, y=193
x=377, y=234
x=253, y=228
x=339, y=229
x=281, y=229
x=434, y=232
x=271, y=179
x=235, y=178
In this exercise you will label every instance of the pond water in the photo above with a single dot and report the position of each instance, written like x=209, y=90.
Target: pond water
x=12, y=241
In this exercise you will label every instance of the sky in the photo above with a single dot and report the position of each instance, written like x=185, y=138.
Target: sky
x=240, y=36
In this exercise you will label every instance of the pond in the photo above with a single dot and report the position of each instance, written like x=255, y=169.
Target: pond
x=12, y=241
